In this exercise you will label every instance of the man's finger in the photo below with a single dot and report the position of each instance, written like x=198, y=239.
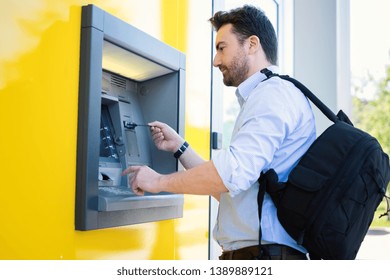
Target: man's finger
x=130, y=169
x=156, y=124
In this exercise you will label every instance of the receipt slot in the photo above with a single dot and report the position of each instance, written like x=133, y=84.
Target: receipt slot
x=127, y=79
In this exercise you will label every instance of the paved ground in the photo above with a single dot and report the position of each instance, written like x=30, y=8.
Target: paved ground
x=376, y=245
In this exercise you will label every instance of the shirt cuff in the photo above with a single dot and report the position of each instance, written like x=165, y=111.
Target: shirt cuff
x=226, y=169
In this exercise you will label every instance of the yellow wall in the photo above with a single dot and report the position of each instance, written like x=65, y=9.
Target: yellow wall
x=39, y=64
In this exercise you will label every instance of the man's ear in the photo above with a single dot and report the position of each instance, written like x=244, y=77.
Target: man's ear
x=254, y=43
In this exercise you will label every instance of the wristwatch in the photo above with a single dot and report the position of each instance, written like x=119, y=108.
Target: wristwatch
x=181, y=150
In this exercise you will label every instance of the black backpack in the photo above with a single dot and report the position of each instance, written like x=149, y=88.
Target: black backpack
x=329, y=200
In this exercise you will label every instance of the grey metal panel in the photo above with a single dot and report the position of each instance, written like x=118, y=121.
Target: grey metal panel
x=140, y=42
x=159, y=100
x=182, y=61
x=92, y=17
x=88, y=127
x=181, y=102
x=109, y=201
x=137, y=216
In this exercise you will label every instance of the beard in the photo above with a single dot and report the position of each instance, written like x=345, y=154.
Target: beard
x=235, y=73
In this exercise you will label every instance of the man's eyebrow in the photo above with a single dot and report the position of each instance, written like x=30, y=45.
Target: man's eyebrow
x=219, y=44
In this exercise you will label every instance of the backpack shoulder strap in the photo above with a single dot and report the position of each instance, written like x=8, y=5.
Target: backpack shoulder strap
x=316, y=101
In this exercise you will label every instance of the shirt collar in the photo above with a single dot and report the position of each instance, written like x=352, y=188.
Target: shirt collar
x=245, y=88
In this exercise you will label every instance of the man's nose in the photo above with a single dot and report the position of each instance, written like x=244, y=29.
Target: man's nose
x=216, y=61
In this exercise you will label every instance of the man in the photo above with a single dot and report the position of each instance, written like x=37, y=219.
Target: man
x=274, y=128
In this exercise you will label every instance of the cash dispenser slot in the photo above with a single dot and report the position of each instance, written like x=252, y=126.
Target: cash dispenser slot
x=127, y=79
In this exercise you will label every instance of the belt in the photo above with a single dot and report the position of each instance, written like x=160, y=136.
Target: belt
x=269, y=252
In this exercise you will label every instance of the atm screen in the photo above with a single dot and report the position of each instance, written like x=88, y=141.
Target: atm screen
x=107, y=134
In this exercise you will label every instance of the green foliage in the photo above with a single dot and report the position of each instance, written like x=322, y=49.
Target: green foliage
x=383, y=221
x=373, y=116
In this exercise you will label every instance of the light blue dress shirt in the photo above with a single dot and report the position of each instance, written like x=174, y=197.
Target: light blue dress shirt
x=274, y=128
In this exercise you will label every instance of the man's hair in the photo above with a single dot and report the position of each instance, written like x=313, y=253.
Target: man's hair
x=247, y=21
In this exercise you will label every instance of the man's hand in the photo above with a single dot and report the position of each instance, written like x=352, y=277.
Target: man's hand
x=143, y=179
x=164, y=137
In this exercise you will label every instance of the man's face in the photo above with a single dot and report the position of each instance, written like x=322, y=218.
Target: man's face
x=231, y=57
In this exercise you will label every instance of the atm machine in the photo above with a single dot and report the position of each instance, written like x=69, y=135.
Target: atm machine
x=127, y=79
